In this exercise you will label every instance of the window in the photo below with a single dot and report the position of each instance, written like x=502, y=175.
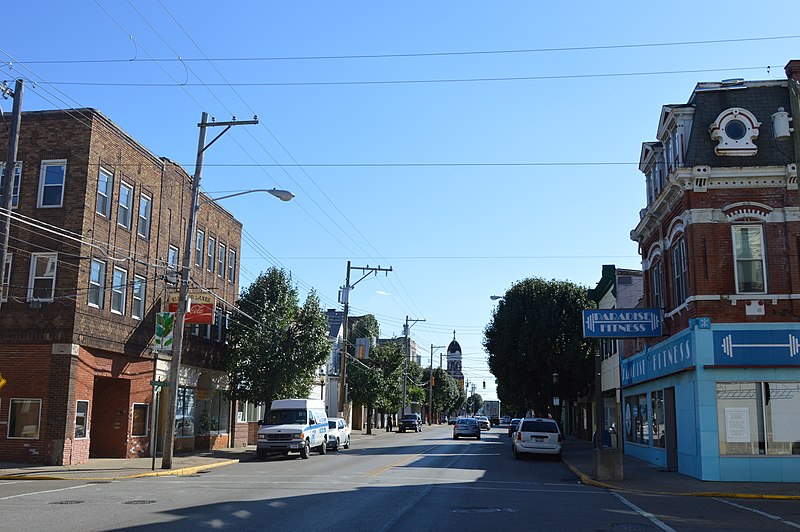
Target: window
x=185, y=413
x=199, y=252
x=82, y=419
x=139, y=421
x=51, y=183
x=680, y=275
x=637, y=427
x=212, y=248
x=42, y=280
x=24, y=418
x=207, y=331
x=221, y=262
x=6, y=278
x=608, y=348
x=657, y=284
x=172, y=258
x=15, y=187
x=231, y=265
x=125, y=205
x=118, y=288
x=145, y=211
x=97, y=283
x=105, y=184
x=748, y=251
x=139, y=286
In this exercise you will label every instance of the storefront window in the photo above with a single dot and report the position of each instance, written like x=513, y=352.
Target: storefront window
x=213, y=413
x=657, y=409
x=783, y=417
x=740, y=418
x=185, y=417
x=637, y=428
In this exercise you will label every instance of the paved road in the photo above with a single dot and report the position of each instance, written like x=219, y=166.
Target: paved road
x=413, y=481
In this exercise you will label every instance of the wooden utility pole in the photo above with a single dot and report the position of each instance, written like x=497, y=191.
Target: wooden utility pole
x=8, y=175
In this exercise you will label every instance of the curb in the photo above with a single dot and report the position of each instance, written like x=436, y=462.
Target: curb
x=585, y=479
x=165, y=473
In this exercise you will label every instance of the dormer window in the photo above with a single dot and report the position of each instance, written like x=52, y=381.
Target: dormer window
x=735, y=131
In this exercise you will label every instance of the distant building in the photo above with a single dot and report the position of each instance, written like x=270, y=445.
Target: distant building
x=454, y=362
x=718, y=397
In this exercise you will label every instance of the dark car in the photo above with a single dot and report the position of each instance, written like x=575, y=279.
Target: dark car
x=512, y=427
x=410, y=422
x=466, y=426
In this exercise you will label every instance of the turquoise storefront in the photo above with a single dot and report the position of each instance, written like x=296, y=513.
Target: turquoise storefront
x=717, y=402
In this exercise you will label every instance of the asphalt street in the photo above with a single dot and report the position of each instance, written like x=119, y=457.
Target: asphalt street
x=388, y=482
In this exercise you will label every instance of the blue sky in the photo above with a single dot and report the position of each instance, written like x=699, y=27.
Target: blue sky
x=464, y=172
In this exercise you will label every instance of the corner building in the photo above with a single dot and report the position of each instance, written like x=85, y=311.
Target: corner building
x=718, y=397
x=97, y=224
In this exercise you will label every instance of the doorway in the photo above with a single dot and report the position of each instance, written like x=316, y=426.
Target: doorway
x=670, y=421
x=109, y=422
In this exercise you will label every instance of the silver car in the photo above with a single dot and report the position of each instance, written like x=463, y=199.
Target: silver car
x=468, y=427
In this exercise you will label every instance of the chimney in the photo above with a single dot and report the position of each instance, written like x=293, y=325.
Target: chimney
x=792, y=69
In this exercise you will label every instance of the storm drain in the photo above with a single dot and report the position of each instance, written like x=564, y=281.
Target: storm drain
x=68, y=502
x=139, y=502
x=483, y=510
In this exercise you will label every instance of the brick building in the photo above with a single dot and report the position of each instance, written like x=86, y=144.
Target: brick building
x=97, y=224
x=718, y=397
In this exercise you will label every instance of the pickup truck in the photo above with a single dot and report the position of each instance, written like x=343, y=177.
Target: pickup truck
x=410, y=422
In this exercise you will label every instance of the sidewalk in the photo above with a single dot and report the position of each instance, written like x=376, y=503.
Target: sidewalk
x=105, y=469
x=643, y=477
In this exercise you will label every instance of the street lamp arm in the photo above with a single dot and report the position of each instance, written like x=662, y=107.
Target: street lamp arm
x=283, y=195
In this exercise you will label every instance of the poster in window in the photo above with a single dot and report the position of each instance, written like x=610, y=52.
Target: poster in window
x=737, y=425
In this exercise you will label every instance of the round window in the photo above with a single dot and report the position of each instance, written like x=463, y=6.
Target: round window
x=735, y=130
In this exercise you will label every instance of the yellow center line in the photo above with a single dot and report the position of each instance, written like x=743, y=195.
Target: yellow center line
x=398, y=463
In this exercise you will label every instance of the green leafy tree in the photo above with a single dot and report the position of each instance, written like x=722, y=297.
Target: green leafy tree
x=445, y=392
x=375, y=381
x=416, y=384
x=277, y=346
x=536, y=331
x=474, y=403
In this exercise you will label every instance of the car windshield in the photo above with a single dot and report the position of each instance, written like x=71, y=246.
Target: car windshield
x=539, y=426
x=295, y=416
x=410, y=416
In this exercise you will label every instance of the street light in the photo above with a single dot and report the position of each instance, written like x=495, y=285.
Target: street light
x=283, y=195
x=495, y=298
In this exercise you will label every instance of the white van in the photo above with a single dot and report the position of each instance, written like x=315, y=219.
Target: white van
x=293, y=425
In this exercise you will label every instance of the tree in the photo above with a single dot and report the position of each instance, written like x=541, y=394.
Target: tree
x=277, y=346
x=474, y=403
x=375, y=381
x=536, y=331
x=445, y=392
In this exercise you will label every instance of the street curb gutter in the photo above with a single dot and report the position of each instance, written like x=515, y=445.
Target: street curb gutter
x=165, y=473
x=585, y=479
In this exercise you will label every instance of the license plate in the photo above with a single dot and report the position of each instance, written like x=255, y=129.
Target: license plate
x=539, y=439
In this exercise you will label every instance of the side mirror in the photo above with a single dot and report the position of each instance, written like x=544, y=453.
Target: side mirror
x=260, y=422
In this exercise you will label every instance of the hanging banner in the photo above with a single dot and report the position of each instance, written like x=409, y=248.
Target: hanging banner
x=165, y=327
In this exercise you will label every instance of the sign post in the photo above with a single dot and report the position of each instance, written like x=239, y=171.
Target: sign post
x=619, y=324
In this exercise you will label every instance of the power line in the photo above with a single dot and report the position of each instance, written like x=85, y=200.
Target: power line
x=415, y=54
x=407, y=81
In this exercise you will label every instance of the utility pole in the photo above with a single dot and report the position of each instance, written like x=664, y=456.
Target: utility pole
x=430, y=385
x=183, y=301
x=406, y=330
x=8, y=177
x=344, y=298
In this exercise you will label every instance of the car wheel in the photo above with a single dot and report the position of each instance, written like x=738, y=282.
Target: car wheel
x=402, y=429
x=305, y=451
x=261, y=454
x=558, y=457
x=455, y=437
x=347, y=443
x=517, y=455
x=479, y=436
x=322, y=449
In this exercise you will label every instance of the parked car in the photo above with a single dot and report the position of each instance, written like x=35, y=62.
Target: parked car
x=338, y=434
x=484, y=423
x=512, y=426
x=537, y=436
x=468, y=427
x=410, y=422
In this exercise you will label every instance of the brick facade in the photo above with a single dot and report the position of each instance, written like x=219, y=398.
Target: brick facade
x=63, y=350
